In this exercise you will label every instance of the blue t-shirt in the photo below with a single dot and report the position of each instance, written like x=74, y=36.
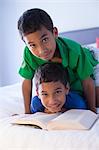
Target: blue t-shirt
x=73, y=101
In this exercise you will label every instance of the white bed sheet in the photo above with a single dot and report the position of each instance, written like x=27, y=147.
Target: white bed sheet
x=11, y=101
x=14, y=137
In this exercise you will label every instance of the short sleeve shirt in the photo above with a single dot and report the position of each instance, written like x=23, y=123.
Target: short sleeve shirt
x=78, y=61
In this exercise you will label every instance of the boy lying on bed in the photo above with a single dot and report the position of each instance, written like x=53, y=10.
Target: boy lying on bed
x=43, y=45
x=53, y=92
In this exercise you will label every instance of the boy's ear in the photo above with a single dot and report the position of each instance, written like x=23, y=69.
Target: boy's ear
x=37, y=91
x=67, y=88
x=55, y=32
x=38, y=95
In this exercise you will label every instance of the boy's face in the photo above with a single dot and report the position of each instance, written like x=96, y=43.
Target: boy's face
x=42, y=43
x=52, y=95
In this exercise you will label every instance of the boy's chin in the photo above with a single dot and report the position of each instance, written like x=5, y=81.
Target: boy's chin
x=52, y=111
x=46, y=59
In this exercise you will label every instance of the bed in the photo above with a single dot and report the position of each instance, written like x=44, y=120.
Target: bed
x=16, y=137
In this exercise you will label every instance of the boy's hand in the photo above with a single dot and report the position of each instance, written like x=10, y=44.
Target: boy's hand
x=47, y=111
x=56, y=59
x=94, y=109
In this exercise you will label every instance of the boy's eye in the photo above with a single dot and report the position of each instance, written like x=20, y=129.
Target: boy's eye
x=58, y=92
x=45, y=40
x=44, y=94
x=32, y=45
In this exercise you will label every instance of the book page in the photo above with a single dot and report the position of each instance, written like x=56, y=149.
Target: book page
x=40, y=119
x=73, y=119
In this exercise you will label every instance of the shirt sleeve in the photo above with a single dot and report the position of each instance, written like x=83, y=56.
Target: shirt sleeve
x=36, y=105
x=26, y=69
x=86, y=64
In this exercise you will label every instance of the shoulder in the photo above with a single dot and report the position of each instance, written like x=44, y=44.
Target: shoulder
x=71, y=45
x=72, y=48
x=69, y=42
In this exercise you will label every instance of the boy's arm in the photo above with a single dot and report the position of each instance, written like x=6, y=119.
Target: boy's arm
x=89, y=93
x=27, y=93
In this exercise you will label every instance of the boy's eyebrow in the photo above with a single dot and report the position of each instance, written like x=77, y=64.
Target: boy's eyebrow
x=59, y=88
x=30, y=42
x=43, y=36
x=43, y=91
x=40, y=38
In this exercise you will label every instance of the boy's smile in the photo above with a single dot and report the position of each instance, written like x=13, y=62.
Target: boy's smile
x=42, y=43
x=52, y=95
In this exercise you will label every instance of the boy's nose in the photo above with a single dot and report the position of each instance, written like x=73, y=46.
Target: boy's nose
x=41, y=49
x=52, y=100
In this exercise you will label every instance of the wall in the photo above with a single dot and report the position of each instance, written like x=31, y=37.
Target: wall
x=67, y=15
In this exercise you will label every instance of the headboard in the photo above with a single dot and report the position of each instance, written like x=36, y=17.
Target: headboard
x=83, y=36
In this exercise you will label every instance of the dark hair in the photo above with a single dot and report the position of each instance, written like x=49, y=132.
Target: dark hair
x=51, y=72
x=32, y=20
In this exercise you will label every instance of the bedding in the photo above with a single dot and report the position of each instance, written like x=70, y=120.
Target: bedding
x=20, y=137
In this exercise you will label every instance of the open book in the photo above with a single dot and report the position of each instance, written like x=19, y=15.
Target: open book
x=77, y=119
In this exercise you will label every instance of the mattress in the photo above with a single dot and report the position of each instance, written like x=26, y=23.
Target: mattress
x=20, y=137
